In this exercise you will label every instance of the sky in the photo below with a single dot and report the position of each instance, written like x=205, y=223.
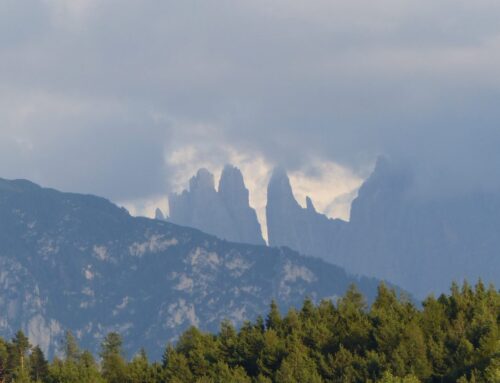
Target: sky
x=125, y=99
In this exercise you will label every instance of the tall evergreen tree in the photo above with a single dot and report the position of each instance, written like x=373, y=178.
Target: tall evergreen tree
x=273, y=320
x=113, y=363
x=17, y=352
x=70, y=347
x=39, y=367
x=3, y=360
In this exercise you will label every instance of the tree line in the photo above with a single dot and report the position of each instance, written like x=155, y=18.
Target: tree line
x=452, y=338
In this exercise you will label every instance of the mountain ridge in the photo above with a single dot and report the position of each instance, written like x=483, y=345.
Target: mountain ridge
x=419, y=241
x=79, y=262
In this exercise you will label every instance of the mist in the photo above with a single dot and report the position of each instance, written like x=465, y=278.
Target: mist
x=106, y=96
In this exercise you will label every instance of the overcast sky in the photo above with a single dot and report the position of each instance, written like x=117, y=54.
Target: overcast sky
x=126, y=98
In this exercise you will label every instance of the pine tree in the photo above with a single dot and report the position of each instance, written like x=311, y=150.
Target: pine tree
x=70, y=347
x=39, y=367
x=176, y=367
x=434, y=324
x=352, y=327
x=227, y=343
x=88, y=369
x=342, y=367
x=249, y=344
x=297, y=367
x=17, y=352
x=139, y=369
x=3, y=360
x=222, y=373
x=113, y=363
x=272, y=353
x=389, y=318
x=273, y=320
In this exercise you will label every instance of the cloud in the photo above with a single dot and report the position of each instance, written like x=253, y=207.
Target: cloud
x=102, y=96
x=331, y=186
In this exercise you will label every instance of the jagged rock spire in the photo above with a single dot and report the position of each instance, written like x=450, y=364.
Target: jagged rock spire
x=203, y=181
x=159, y=214
x=225, y=213
x=309, y=205
x=288, y=224
x=232, y=186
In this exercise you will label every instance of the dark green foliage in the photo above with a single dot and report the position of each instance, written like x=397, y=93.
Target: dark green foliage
x=77, y=366
x=454, y=338
x=274, y=317
x=113, y=364
x=39, y=367
x=70, y=347
x=3, y=360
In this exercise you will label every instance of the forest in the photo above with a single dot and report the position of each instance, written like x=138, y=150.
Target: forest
x=452, y=338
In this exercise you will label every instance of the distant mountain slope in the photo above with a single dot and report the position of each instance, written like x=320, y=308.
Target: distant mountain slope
x=421, y=243
x=79, y=262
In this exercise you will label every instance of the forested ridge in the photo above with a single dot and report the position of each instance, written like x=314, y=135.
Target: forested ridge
x=452, y=338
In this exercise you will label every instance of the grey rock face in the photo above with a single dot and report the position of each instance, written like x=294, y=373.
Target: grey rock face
x=235, y=197
x=225, y=213
x=70, y=261
x=288, y=224
x=421, y=243
x=159, y=215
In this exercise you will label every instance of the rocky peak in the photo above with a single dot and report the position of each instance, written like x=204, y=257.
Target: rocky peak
x=225, y=213
x=232, y=187
x=202, y=182
x=279, y=189
x=382, y=192
x=159, y=214
x=288, y=224
x=309, y=205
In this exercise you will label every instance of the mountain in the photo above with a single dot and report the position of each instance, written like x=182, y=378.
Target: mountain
x=288, y=224
x=159, y=215
x=79, y=262
x=225, y=212
x=419, y=242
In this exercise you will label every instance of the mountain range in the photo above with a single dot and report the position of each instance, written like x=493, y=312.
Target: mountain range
x=421, y=242
x=79, y=262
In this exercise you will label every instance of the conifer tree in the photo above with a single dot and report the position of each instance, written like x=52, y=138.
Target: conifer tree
x=139, y=370
x=3, y=360
x=176, y=367
x=273, y=320
x=70, y=347
x=272, y=353
x=113, y=363
x=297, y=367
x=17, y=353
x=227, y=342
x=39, y=367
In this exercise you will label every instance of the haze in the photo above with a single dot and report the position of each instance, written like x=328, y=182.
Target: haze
x=126, y=99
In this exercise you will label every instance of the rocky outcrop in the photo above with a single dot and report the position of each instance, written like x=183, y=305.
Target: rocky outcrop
x=159, y=214
x=422, y=241
x=302, y=229
x=235, y=197
x=225, y=213
x=419, y=242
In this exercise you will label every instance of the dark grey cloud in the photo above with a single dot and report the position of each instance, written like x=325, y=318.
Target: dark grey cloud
x=95, y=94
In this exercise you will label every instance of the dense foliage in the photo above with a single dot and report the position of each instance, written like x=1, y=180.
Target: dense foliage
x=454, y=338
